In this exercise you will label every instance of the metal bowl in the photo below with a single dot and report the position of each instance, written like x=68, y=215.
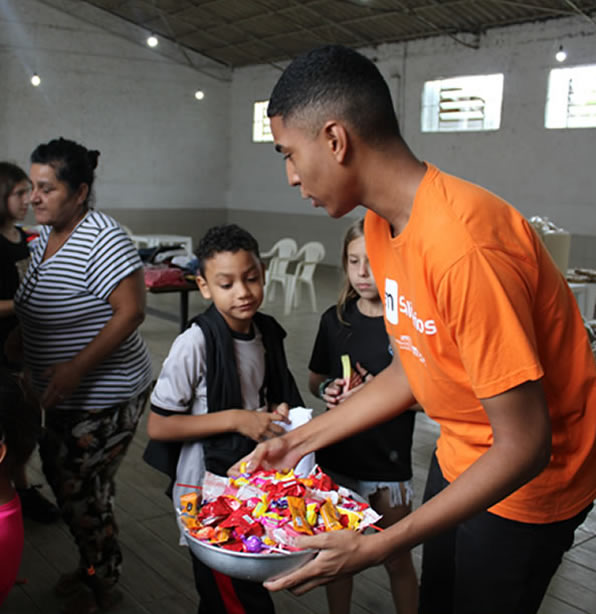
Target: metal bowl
x=246, y=565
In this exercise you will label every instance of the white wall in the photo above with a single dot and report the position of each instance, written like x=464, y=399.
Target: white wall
x=541, y=172
x=160, y=148
x=175, y=165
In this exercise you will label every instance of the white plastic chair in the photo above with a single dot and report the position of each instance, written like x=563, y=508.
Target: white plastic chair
x=281, y=254
x=308, y=256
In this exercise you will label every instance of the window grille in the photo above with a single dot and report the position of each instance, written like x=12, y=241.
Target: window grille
x=261, y=126
x=571, y=98
x=458, y=104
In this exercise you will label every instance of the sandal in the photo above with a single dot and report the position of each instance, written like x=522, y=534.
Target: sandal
x=85, y=601
x=69, y=583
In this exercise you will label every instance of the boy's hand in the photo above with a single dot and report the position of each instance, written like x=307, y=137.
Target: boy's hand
x=260, y=425
x=283, y=410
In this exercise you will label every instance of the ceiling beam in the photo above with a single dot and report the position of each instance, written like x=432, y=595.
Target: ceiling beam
x=579, y=11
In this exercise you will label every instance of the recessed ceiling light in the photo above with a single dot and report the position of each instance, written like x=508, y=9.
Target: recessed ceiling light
x=152, y=40
x=199, y=94
x=561, y=55
x=35, y=80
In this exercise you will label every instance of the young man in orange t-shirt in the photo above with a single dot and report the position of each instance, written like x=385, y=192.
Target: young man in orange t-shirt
x=486, y=337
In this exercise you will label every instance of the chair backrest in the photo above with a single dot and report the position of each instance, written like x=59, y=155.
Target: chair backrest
x=284, y=248
x=309, y=255
x=281, y=253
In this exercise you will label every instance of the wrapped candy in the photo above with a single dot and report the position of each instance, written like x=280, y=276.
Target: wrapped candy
x=329, y=516
x=268, y=510
x=298, y=510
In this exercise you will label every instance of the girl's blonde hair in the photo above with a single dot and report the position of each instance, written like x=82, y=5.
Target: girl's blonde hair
x=355, y=231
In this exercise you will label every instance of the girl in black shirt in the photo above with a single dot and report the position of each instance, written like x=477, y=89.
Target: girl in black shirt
x=376, y=463
x=15, y=189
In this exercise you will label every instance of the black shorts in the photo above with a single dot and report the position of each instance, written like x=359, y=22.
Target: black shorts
x=489, y=564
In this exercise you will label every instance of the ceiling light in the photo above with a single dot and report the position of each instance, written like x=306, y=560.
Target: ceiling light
x=35, y=80
x=152, y=40
x=199, y=94
x=561, y=55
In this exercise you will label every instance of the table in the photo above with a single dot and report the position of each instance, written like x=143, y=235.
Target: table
x=585, y=295
x=182, y=318
x=156, y=240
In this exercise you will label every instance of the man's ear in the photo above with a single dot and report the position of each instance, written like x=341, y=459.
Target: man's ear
x=203, y=287
x=337, y=139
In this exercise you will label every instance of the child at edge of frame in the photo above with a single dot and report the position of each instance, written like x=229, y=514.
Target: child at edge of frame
x=222, y=388
x=20, y=425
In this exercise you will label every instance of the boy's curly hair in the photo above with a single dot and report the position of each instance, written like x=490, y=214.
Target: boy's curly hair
x=224, y=238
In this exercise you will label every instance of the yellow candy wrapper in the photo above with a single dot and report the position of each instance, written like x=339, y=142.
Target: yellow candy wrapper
x=189, y=503
x=346, y=367
x=298, y=510
x=329, y=516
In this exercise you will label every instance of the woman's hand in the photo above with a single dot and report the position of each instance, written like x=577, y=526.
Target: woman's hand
x=13, y=346
x=64, y=377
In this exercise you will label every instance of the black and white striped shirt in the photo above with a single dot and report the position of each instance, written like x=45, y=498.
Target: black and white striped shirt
x=62, y=305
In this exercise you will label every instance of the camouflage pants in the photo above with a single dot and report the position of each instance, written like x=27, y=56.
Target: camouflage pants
x=81, y=452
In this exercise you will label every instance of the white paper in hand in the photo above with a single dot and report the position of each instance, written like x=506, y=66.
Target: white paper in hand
x=299, y=416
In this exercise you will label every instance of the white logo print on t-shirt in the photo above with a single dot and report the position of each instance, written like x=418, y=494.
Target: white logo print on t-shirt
x=396, y=304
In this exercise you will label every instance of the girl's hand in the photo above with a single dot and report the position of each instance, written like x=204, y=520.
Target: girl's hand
x=260, y=425
x=359, y=377
x=332, y=393
x=363, y=373
x=64, y=379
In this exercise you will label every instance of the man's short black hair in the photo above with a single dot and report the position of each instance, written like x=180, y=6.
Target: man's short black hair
x=336, y=81
x=224, y=238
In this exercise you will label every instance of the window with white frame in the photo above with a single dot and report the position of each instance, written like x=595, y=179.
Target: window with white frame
x=571, y=98
x=460, y=104
x=261, y=126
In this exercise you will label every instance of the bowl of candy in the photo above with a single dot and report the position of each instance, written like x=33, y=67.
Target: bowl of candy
x=246, y=565
x=246, y=527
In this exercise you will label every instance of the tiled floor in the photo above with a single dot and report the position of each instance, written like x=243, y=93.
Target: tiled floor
x=157, y=576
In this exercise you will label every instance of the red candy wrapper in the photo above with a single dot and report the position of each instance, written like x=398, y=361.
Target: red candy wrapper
x=272, y=507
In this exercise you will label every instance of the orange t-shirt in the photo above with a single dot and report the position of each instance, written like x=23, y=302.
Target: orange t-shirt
x=476, y=307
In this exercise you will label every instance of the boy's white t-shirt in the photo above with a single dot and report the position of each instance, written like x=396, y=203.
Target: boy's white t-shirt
x=182, y=384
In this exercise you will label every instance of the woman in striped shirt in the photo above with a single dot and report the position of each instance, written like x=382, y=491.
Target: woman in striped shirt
x=79, y=307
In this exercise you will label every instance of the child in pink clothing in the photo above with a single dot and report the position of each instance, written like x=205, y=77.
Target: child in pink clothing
x=11, y=543
x=19, y=429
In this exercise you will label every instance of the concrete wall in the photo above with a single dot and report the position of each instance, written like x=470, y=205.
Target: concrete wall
x=171, y=164
x=541, y=172
x=161, y=149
